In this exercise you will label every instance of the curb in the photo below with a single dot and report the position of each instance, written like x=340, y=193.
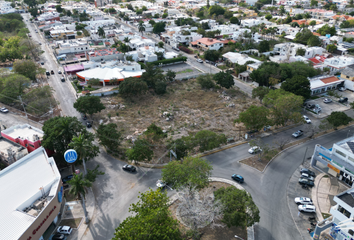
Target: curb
x=250, y=230
x=314, y=193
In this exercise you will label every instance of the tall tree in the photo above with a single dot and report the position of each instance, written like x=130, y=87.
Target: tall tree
x=151, y=220
x=89, y=105
x=140, y=151
x=299, y=85
x=109, y=136
x=191, y=173
x=337, y=119
x=238, y=207
x=27, y=68
x=254, y=118
x=141, y=27
x=260, y=92
x=132, y=86
x=159, y=28
x=79, y=186
x=83, y=145
x=12, y=86
x=224, y=79
x=101, y=32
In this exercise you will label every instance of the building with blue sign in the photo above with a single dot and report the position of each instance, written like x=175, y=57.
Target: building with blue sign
x=337, y=161
x=31, y=197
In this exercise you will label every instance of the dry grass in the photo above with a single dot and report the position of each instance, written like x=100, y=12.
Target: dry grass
x=194, y=109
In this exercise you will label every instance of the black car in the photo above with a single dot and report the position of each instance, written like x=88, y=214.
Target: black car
x=129, y=168
x=84, y=117
x=62, y=79
x=307, y=182
x=58, y=236
x=47, y=73
x=88, y=124
x=52, y=72
x=307, y=171
x=343, y=100
x=67, y=178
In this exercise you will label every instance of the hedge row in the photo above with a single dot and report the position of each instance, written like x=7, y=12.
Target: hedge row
x=185, y=49
x=172, y=60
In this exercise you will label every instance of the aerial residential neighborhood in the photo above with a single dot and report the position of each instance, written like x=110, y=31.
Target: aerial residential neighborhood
x=176, y=119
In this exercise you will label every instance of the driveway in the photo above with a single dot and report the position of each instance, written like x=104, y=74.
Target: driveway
x=327, y=108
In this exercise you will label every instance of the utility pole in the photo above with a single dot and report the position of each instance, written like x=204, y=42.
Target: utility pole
x=23, y=106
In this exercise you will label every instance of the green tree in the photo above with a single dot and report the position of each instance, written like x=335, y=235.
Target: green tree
x=263, y=46
x=31, y=3
x=170, y=75
x=59, y=8
x=191, y=173
x=326, y=29
x=159, y=28
x=154, y=132
x=314, y=41
x=12, y=86
x=260, y=92
x=132, y=86
x=152, y=75
x=160, y=87
x=224, y=79
x=89, y=105
x=180, y=146
x=234, y=20
x=140, y=151
x=337, y=119
x=269, y=16
x=101, y=32
x=83, y=145
x=92, y=174
x=314, y=3
x=141, y=27
x=238, y=207
x=206, y=81
x=160, y=44
x=208, y=140
x=299, y=85
x=303, y=36
x=217, y=10
x=78, y=186
x=254, y=118
x=212, y=55
x=264, y=72
x=331, y=48
x=109, y=136
x=313, y=23
x=27, y=68
x=151, y=219
x=300, y=52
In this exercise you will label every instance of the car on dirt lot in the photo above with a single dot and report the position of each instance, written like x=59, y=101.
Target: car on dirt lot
x=343, y=100
x=303, y=201
x=307, y=208
x=4, y=110
x=307, y=120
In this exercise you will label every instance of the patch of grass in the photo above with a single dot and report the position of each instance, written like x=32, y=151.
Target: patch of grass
x=185, y=71
x=326, y=176
x=223, y=67
x=326, y=215
x=73, y=222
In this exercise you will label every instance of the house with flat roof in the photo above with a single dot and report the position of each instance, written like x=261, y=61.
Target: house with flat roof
x=10, y=151
x=26, y=135
x=72, y=46
x=239, y=58
x=106, y=54
x=338, y=64
x=31, y=197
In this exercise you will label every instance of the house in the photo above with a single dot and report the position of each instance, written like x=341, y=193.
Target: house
x=63, y=34
x=322, y=84
x=71, y=46
x=118, y=72
x=25, y=135
x=49, y=16
x=10, y=151
x=184, y=37
x=239, y=58
x=348, y=76
x=320, y=13
x=337, y=64
x=207, y=44
x=106, y=54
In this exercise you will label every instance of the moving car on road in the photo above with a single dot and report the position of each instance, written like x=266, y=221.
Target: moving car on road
x=297, y=133
x=64, y=230
x=129, y=168
x=254, y=149
x=52, y=72
x=200, y=60
x=47, y=73
x=238, y=178
x=62, y=79
x=303, y=201
x=307, y=182
x=307, y=208
x=4, y=110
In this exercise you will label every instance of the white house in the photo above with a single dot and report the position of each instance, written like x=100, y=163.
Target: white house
x=72, y=46
x=337, y=64
x=239, y=58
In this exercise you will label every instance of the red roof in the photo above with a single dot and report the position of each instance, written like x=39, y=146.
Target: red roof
x=316, y=34
x=329, y=80
x=207, y=41
x=227, y=41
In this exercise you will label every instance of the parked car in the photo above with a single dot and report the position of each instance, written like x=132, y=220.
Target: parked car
x=206, y=61
x=307, y=171
x=42, y=63
x=307, y=120
x=62, y=79
x=29, y=35
x=160, y=184
x=343, y=100
x=4, y=110
x=317, y=109
x=307, y=182
x=200, y=60
x=67, y=178
x=238, y=178
x=297, y=133
x=306, y=176
x=47, y=73
x=310, y=106
x=303, y=201
x=64, y=230
x=307, y=208
x=88, y=124
x=254, y=149
x=58, y=236
x=327, y=100
x=176, y=49
x=59, y=72
x=129, y=168
x=84, y=117
x=342, y=89
x=195, y=56
x=52, y=72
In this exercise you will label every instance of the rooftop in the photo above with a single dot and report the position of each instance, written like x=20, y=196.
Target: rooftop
x=349, y=71
x=347, y=197
x=104, y=52
x=25, y=131
x=20, y=185
x=6, y=144
x=207, y=41
x=321, y=81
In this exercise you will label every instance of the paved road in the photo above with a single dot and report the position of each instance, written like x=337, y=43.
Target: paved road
x=63, y=92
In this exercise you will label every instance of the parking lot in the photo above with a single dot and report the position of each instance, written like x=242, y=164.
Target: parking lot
x=182, y=70
x=328, y=108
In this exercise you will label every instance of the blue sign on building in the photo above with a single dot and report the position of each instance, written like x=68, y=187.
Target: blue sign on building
x=70, y=156
x=60, y=194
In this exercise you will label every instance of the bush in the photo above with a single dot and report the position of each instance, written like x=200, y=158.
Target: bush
x=206, y=81
x=185, y=49
x=167, y=61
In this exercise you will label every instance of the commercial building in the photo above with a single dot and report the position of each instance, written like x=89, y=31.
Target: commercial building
x=105, y=55
x=321, y=84
x=11, y=152
x=31, y=197
x=72, y=46
x=337, y=161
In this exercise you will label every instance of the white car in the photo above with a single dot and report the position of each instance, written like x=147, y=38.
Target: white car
x=64, y=230
x=303, y=201
x=200, y=60
x=160, y=184
x=254, y=149
x=327, y=100
x=4, y=110
x=305, y=175
x=307, y=208
x=307, y=120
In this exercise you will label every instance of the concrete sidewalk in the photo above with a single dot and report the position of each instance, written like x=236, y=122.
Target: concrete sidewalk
x=326, y=187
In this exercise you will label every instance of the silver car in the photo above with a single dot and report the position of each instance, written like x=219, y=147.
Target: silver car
x=327, y=100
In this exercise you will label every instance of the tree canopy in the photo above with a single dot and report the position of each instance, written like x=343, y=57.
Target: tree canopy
x=338, y=119
x=140, y=151
x=27, y=68
x=89, y=104
x=159, y=28
x=299, y=85
x=254, y=118
x=224, y=79
x=109, y=136
x=132, y=86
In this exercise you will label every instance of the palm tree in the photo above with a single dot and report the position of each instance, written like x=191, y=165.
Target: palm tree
x=126, y=39
x=141, y=27
x=79, y=186
x=101, y=32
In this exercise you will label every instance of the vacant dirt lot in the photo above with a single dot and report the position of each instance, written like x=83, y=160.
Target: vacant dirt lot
x=193, y=109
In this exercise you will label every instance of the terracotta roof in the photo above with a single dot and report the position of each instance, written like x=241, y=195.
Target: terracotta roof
x=316, y=34
x=350, y=18
x=317, y=60
x=329, y=80
x=208, y=41
x=227, y=41
x=300, y=21
x=341, y=16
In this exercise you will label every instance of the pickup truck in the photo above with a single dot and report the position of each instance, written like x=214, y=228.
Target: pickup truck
x=297, y=133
